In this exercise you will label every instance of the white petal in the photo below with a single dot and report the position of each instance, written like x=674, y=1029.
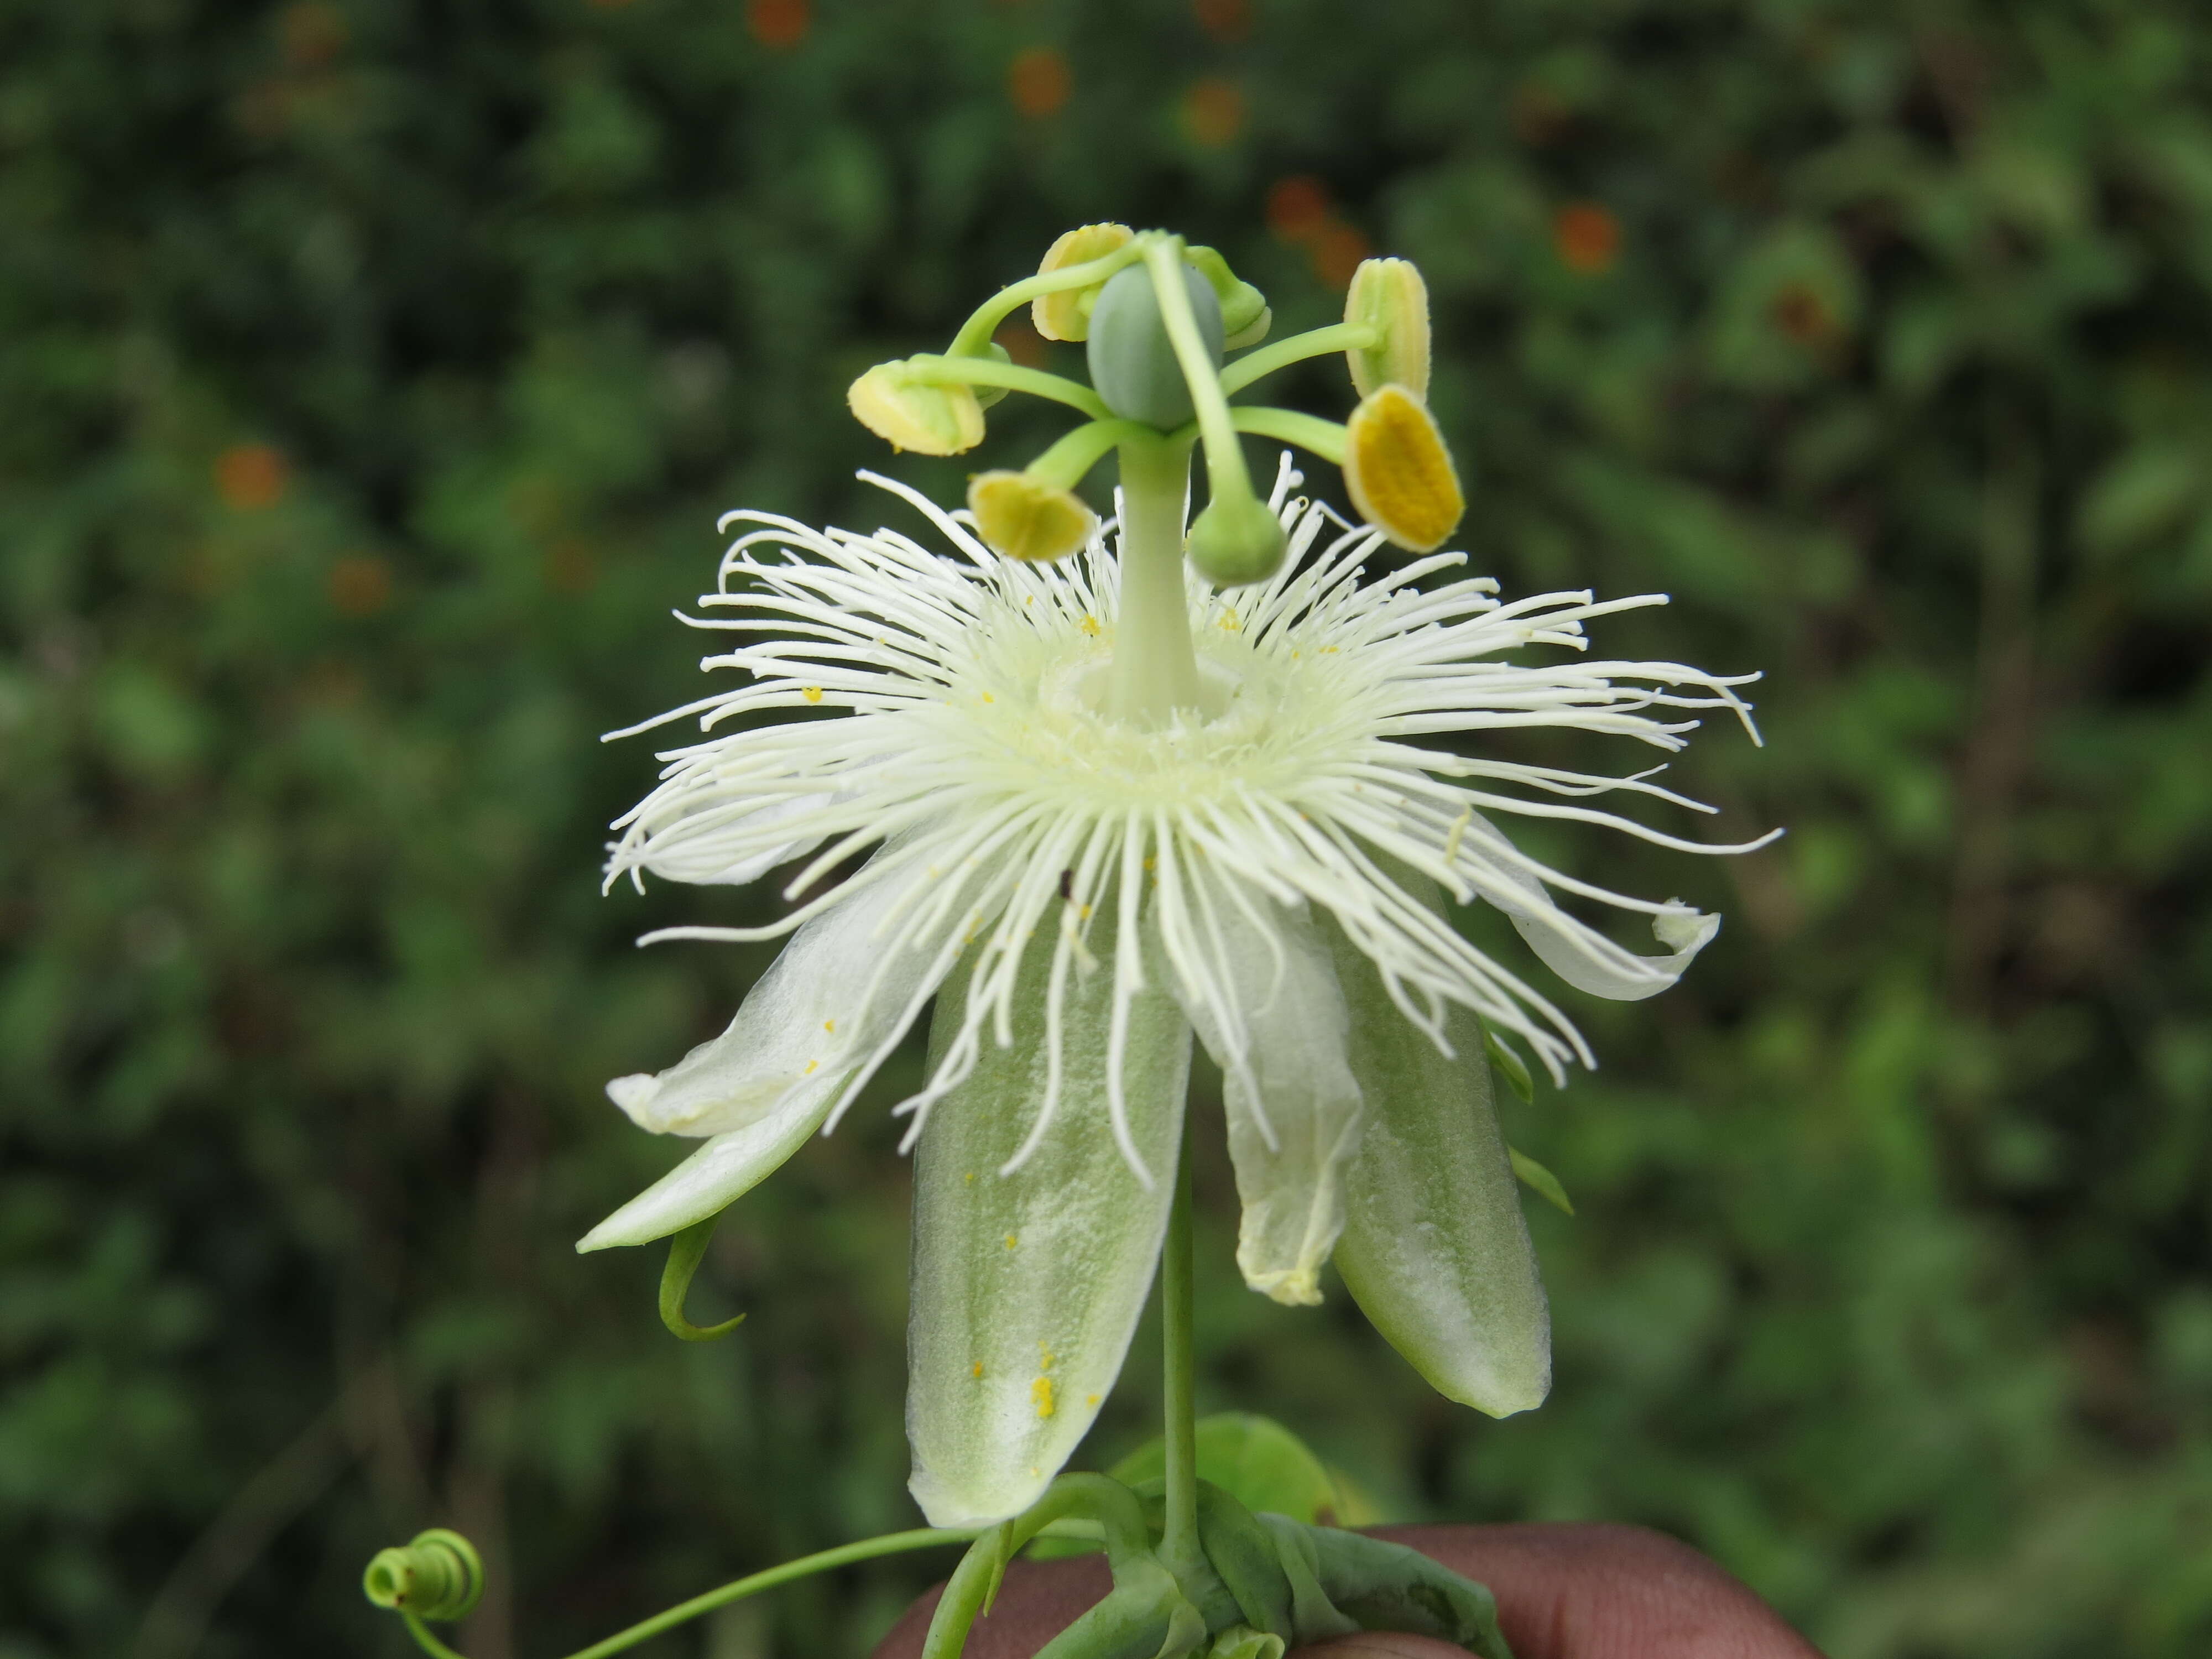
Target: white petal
x=721, y=1171
x=1582, y=956
x=1026, y=1287
x=1294, y=1108
x=838, y=990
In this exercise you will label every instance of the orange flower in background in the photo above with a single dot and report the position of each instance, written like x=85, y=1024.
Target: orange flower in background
x=1298, y=210
x=1296, y=207
x=1226, y=20
x=360, y=584
x=1587, y=238
x=250, y=477
x=1336, y=251
x=778, y=24
x=1038, y=81
x=1213, y=112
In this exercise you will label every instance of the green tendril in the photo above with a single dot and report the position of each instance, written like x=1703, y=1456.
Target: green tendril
x=1314, y=343
x=1326, y=439
x=955, y=369
x=685, y=1251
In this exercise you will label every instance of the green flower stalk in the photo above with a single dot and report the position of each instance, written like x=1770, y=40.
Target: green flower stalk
x=1118, y=786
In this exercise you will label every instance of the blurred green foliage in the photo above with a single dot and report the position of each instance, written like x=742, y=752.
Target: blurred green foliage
x=371, y=375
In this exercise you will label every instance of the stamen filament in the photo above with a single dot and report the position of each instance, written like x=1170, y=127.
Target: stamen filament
x=1326, y=439
x=1064, y=464
x=1313, y=342
x=975, y=333
x=953, y=369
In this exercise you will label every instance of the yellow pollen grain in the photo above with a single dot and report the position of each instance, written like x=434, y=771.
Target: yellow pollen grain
x=1011, y=1240
x=1229, y=619
x=1046, y=1357
x=811, y=693
x=1040, y=1391
x=830, y=1026
x=811, y=1065
x=1091, y=626
x=1090, y=1399
x=975, y=1370
x=988, y=698
x=972, y=1177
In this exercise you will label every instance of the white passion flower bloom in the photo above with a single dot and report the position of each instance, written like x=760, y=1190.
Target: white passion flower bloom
x=1079, y=894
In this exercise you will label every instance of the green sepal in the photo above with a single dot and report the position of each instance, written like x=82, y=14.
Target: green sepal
x=1540, y=1179
x=1026, y=1288
x=686, y=1249
x=1379, y=1585
x=1435, y=1249
x=1255, y=1460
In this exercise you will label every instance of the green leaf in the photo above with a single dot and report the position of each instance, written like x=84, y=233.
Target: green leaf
x=1256, y=1460
x=1535, y=1174
x=1025, y=1288
x=1510, y=1065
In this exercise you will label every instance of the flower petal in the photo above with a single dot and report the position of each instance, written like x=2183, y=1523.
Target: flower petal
x=814, y=1026
x=1577, y=952
x=1026, y=1287
x=721, y=1171
x=1435, y=1249
x=839, y=989
x=701, y=860
x=1294, y=1108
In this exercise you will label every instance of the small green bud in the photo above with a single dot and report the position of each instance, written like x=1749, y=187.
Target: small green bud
x=1027, y=519
x=909, y=413
x=1237, y=539
x=438, y=1576
x=1389, y=296
x=1244, y=314
x=1067, y=315
x=1133, y=367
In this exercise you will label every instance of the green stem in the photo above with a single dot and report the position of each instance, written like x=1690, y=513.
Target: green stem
x=975, y=333
x=1225, y=476
x=844, y=1555
x=951, y=370
x=1326, y=439
x=1155, y=672
x=1180, y=1549
x=1313, y=342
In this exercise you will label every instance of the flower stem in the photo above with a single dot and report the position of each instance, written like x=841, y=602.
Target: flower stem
x=1179, y=1546
x=1155, y=671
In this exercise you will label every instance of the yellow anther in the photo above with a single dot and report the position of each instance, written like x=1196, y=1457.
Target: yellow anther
x=1399, y=472
x=811, y=693
x=1026, y=518
x=1040, y=1391
x=1067, y=315
x=1390, y=297
x=911, y=414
